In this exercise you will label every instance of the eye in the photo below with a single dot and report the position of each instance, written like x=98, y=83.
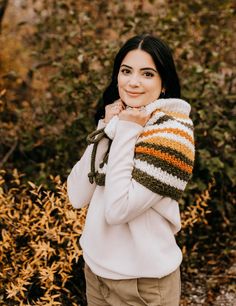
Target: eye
x=148, y=74
x=125, y=71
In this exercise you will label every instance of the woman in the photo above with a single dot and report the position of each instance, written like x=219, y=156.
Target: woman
x=132, y=175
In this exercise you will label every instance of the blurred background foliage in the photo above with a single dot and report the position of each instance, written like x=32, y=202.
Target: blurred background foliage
x=54, y=69
x=56, y=59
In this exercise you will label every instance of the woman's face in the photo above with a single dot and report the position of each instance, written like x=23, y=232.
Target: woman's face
x=139, y=82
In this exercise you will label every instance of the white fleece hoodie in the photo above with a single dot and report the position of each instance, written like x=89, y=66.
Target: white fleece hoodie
x=129, y=230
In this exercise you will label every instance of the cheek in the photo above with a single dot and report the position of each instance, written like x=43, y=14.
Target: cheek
x=120, y=80
x=155, y=88
x=120, y=84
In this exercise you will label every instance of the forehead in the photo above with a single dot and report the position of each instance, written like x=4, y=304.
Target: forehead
x=138, y=59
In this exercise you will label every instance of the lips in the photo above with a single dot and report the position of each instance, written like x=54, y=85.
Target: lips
x=133, y=94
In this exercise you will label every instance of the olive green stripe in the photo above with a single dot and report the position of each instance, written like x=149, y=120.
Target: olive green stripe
x=155, y=185
x=163, y=119
x=165, y=166
x=190, y=126
x=167, y=118
x=168, y=150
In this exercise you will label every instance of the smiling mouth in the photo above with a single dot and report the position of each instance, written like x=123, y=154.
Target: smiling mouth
x=134, y=94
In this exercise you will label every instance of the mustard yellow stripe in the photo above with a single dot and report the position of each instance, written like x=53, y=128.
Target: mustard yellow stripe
x=165, y=156
x=173, y=145
x=168, y=130
x=177, y=115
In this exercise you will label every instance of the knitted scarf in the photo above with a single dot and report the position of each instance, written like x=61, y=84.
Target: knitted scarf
x=163, y=153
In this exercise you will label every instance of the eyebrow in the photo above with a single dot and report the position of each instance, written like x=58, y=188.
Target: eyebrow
x=145, y=68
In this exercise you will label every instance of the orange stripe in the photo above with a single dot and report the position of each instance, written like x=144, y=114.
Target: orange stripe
x=177, y=115
x=172, y=114
x=168, y=130
x=157, y=111
x=165, y=156
x=172, y=144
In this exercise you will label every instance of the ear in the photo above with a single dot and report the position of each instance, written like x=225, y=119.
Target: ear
x=163, y=92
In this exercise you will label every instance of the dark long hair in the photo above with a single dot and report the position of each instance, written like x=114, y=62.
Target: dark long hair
x=162, y=57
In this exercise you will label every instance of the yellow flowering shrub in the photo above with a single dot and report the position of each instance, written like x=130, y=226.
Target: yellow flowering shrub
x=40, y=257
x=39, y=251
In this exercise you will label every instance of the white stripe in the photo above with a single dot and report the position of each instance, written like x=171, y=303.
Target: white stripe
x=154, y=118
x=160, y=114
x=170, y=136
x=170, y=104
x=173, y=124
x=159, y=174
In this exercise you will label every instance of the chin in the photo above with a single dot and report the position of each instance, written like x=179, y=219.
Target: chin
x=132, y=103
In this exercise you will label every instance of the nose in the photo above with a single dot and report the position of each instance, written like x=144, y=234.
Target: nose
x=134, y=81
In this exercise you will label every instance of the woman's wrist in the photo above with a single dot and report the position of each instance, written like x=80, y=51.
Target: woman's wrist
x=101, y=124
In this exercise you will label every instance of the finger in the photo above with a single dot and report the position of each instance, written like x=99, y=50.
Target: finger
x=120, y=104
x=112, y=107
x=126, y=111
x=116, y=108
x=109, y=106
x=143, y=110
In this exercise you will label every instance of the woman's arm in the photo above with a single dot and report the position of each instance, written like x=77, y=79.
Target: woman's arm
x=125, y=198
x=79, y=189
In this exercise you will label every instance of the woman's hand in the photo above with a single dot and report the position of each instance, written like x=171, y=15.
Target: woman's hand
x=113, y=109
x=136, y=115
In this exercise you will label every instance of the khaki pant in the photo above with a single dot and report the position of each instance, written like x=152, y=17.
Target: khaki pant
x=163, y=291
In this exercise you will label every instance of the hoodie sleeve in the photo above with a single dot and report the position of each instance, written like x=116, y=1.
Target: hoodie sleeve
x=130, y=198
x=79, y=189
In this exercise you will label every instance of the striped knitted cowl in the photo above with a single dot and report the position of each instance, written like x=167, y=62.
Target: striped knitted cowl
x=164, y=150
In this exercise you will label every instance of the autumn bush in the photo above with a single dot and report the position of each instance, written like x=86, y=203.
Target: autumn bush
x=47, y=111
x=40, y=257
x=51, y=79
x=39, y=253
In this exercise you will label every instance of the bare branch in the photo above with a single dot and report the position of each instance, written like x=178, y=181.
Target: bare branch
x=8, y=154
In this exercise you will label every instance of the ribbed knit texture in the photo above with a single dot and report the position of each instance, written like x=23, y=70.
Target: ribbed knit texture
x=164, y=151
